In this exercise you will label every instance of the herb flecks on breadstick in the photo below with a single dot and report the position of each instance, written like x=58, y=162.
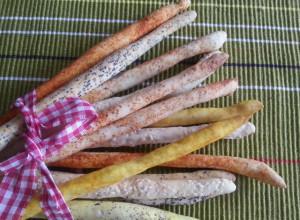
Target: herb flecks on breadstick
x=245, y=167
x=95, y=54
x=91, y=210
x=113, y=174
x=157, y=189
x=167, y=135
x=143, y=97
x=147, y=116
x=107, y=68
x=144, y=71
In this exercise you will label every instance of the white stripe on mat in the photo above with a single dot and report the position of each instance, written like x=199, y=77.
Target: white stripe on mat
x=245, y=40
x=100, y=20
x=213, y=5
x=20, y=78
x=127, y=21
x=267, y=88
x=59, y=33
x=243, y=87
x=89, y=34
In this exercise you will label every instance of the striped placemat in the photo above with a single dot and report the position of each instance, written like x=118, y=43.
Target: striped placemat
x=40, y=37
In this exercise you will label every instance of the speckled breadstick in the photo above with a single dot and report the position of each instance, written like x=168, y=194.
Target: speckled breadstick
x=61, y=177
x=144, y=71
x=167, y=135
x=103, y=71
x=144, y=190
x=107, y=46
x=245, y=167
x=148, y=116
x=102, y=105
x=105, y=104
x=144, y=97
x=108, y=210
x=147, y=187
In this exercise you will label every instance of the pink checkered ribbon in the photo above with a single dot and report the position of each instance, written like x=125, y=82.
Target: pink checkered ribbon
x=73, y=116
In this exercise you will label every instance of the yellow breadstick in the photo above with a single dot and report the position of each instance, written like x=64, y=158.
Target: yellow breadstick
x=115, y=173
x=195, y=116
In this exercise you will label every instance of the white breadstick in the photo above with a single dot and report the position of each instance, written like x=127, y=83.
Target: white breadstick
x=101, y=72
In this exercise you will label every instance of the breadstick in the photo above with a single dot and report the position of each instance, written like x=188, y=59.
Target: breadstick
x=245, y=167
x=101, y=72
x=62, y=177
x=119, y=82
x=113, y=174
x=148, y=116
x=113, y=43
x=167, y=135
x=140, y=73
x=194, y=116
x=143, y=97
x=108, y=210
x=145, y=188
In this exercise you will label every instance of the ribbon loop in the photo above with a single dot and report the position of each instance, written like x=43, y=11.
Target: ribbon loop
x=73, y=116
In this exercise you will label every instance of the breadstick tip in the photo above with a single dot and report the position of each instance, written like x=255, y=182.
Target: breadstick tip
x=218, y=38
x=185, y=3
x=192, y=14
x=219, y=56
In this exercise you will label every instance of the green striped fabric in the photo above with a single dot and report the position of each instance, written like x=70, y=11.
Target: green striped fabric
x=40, y=37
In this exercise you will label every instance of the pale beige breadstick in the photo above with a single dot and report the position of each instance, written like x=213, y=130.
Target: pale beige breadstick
x=167, y=188
x=108, y=210
x=137, y=100
x=101, y=72
x=187, y=87
x=105, y=104
x=140, y=73
x=102, y=105
x=167, y=135
x=61, y=177
x=148, y=116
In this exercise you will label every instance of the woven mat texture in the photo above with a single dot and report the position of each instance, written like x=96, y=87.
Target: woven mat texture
x=40, y=37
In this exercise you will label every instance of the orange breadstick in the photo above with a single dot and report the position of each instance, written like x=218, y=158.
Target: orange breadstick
x=119, y=40
x=246, y=167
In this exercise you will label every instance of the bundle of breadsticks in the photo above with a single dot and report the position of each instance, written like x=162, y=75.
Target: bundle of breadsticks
x=157, y=114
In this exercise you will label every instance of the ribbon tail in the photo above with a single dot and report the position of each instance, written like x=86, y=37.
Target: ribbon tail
x=52, y=201
x=13, y=197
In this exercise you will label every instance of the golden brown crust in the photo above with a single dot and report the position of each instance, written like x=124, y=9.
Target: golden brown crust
x=119, y=40
x=246, y=167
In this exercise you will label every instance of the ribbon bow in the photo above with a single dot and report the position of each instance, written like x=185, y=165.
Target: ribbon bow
x=19, y=183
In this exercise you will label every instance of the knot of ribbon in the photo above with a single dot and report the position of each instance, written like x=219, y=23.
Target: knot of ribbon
x=73, y=117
